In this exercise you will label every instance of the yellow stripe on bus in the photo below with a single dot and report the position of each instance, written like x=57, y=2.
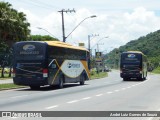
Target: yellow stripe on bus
x=86, y=67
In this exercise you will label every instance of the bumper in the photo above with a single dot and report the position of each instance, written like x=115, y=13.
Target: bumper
x=30, y=82
x=131, y=75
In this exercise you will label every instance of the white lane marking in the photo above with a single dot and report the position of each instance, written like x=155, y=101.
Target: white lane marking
x=123, y=88
x=133, y=85
x=50, y=107
x=109, y=92
x=19, y=96
x=137, y=84
x=73, y=101
x=99, y=95
x=129, y=87
x=86, y=98
x=15, y=117
x=112, y=81
x=116, y=90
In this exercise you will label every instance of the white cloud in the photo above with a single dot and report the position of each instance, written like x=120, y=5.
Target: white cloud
x=121, y=27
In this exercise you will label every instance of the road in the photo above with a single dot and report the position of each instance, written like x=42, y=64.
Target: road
x=107, y=94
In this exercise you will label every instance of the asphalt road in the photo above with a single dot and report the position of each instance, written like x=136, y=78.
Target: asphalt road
x=107, y=94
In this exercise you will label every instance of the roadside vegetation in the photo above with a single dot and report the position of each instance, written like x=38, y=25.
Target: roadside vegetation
x=9, y=86
x=148, y=44
x=97, y=75
x=157, y=70
x=14, y=27
x=5, y=73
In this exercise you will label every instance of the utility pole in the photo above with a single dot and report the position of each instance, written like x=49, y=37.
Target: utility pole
x=89, y=40
x=63, y=29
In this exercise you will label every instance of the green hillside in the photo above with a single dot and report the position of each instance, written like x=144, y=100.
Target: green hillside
x=149, y=45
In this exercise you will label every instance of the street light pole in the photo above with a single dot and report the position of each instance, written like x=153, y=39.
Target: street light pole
x=99, y=41
x=47, y=31
x=89, y=60
x=79, y=24
x=89, y=42
x=63, y=31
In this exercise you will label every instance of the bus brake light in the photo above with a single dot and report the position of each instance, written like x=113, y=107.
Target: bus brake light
x=45, y=72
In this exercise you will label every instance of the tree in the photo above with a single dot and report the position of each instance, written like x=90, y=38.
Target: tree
x=42, y=38
x=149, y=45
x=13, y=27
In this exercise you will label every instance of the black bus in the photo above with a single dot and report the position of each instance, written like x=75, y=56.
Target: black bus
x=133, y=64
x=52, y=63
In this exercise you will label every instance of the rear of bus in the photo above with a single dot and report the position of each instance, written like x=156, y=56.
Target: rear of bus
x=30, y=63
x=131, y=65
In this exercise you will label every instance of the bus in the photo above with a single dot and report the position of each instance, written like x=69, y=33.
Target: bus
x=38, y=63
x=133, y=64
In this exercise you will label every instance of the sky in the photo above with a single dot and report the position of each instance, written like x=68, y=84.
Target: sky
x=117, y=21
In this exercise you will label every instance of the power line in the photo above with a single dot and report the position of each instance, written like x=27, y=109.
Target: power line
x=49, y=5
x=39, y=4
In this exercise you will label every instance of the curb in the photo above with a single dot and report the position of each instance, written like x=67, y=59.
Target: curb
x=11, y=88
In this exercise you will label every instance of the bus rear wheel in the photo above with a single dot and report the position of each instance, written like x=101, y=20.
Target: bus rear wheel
x=35, y=87
x=82, y=80
x=60, y=85
x=125, y=79
x=143, y=78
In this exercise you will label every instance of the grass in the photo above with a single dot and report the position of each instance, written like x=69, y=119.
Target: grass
x=157, y=70
x=9, y=86
x=95, y=75
x=100, y=75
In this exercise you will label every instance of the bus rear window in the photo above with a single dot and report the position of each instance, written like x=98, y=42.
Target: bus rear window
x=130, y=58
x=29, y=51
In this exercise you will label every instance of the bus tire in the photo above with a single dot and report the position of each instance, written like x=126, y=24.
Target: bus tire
x=141, y=78
x=82, y=80
x=60, y=85
x=35, y=87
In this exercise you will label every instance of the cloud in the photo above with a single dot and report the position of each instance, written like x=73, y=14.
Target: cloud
x=131, y=25
x=121, y=27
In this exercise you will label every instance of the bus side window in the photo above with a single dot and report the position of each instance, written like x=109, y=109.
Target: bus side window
x=53, y=66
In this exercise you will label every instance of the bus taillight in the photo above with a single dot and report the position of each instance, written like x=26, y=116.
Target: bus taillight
x=45, y=72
